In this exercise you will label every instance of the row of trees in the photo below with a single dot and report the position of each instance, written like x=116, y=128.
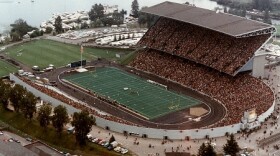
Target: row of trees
x=97, y=16
x=81, y=121
x=230, y=148
x=20, y=28
x=24, y=102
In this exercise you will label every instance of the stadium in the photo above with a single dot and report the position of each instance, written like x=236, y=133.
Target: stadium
x=191, y=78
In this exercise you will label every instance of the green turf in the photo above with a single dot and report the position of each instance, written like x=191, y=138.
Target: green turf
x=45, y=52
x=278, y=30
x=147, y=99
x=6, y=68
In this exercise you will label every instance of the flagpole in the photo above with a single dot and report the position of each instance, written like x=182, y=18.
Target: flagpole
x=82, y=56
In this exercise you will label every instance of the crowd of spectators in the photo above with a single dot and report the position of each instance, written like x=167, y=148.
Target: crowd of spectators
x=238, y=94
x=75, y=104
x=213, y=49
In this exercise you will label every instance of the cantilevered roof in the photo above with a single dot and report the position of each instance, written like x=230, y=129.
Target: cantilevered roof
x=224, y=23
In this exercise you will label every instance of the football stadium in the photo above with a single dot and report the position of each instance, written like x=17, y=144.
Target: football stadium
x=192, y=77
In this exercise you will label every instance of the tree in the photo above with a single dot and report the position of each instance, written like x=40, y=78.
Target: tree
x=97, y=23
x=60, y=118
x=201, y=150
x=4, y=94
x=135, y=9
x=147, y=19
x=209, y=151
x=267, y=18
x=44, y=115
x=206, y=150
x=28, y=105
x=225, y=10
x=16, y=96
x=262, y=4
x=231, y=147
x=36, y=33
x=112, y=139
x=107, y=21
x=15, y=36
x=96, y=12
x=49, y=30
x=82, y=122
x=118, y=18
x=123, y=12
x=243, y=12
x=84, y=25
x=58, y=24
x=19, y=29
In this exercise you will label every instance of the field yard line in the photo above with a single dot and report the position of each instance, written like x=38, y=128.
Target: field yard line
x=140, y=88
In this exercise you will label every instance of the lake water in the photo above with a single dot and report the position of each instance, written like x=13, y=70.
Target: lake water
x=39, y=10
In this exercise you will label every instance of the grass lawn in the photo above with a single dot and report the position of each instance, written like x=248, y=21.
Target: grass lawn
x=278, y=29
x=45, y=52
x=147, y=99
x=6, y=68
x=65, y=143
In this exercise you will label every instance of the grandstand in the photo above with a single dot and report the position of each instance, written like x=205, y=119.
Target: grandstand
x=226, y=44
x=190, y=46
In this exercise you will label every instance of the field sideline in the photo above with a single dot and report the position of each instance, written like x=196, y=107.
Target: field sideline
x=45, y=52
x=147, y=99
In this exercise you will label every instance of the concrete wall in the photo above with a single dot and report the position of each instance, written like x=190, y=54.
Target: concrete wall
x=258, y=66
x=150, y=132
x=43, y=96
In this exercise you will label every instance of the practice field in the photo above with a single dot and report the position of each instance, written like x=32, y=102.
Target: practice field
x=6, y=68
x=147, y=99
x=45, y=52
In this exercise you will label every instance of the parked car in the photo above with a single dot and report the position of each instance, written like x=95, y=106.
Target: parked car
x=106, y=144
x=114, y=144
x=11, y=140
x=103, y=143
x=1, y=133
x=110, y=147
x=89, y=136
x=17, y=141
x=28, y=139
x=100, y=142
x=117, y=149
x=124, y=151
x=95, y=140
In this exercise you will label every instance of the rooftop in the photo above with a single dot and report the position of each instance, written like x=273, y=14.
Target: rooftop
x=228, y=24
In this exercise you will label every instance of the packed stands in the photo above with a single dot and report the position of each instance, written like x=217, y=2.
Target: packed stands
x=214, y=49
x=238, y=93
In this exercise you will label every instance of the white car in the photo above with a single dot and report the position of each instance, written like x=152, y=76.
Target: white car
x=124, y=151
x=94, y=140
x=89, y=136
x=1, y=133
x=117, y=149
x=11, y=140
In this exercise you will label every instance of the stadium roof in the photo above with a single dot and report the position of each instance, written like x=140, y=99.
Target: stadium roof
x=224, y=23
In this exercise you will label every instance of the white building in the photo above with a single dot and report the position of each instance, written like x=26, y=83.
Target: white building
x=110, y=9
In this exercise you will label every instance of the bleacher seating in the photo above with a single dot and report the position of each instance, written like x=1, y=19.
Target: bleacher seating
x=238, y=93
x=213, y=49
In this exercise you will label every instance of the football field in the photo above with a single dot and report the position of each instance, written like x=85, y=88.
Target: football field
x=149, y=100
x=44, y=52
